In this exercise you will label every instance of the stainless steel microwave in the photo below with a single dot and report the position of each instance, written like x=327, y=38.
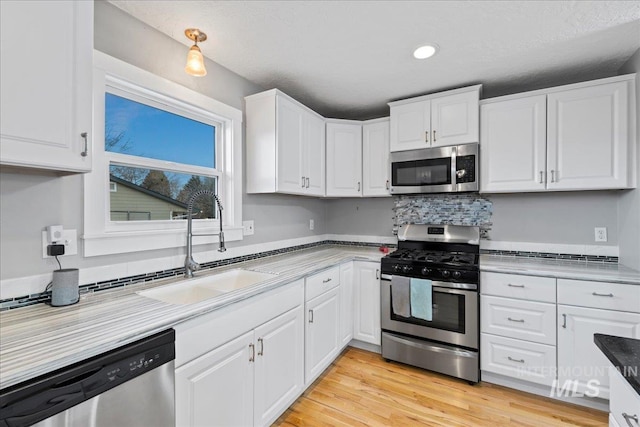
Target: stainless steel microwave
x=450, y=169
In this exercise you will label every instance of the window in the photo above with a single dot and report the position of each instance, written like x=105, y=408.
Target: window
x=155, y=143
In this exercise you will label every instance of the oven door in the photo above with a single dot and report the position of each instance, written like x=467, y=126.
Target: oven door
x=455, y=314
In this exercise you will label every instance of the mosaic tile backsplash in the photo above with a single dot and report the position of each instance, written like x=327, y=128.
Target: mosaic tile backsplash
x=451, y=209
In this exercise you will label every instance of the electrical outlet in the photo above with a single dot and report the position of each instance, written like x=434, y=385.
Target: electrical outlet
x=247, y=228
x=68, y=238
x=601, y=234
x=311, y=224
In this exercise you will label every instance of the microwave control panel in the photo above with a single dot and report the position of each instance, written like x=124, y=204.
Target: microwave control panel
x=465, y=169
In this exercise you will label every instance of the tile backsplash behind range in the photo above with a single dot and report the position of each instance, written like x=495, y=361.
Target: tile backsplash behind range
x=453, y=209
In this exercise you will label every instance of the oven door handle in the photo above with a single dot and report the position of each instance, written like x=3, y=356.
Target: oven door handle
x=439, y=284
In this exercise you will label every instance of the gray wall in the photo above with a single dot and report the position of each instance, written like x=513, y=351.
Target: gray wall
x=563, y=217
x=33, y=200
x=367, y=217
x=629, y=204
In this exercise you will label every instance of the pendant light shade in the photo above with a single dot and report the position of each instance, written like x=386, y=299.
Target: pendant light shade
x=195, y=60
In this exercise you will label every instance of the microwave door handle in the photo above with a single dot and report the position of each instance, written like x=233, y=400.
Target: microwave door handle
x=454, y=180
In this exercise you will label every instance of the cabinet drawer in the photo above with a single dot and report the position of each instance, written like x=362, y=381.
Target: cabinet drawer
x=518, y=359
x=321, y=282
x=526, y=320
x=610, y=296
x=530, y=288
x=623, y=400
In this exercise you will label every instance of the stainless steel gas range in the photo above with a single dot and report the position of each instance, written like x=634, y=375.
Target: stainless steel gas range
x=447, y=257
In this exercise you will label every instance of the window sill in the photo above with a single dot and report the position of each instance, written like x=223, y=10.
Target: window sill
x=126, y=242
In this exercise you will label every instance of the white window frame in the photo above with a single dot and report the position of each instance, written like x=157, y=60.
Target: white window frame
x=103, y=236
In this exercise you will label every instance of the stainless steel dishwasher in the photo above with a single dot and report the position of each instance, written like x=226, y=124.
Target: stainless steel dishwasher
x=132, y=385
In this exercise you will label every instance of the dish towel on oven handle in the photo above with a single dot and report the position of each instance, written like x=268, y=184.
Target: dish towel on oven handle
x=422, y=299
x=400, y=296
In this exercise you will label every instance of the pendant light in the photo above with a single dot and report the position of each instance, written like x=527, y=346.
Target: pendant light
x=195, y=60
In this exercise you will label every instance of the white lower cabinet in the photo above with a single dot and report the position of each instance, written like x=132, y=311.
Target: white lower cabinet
x=366, y=298
x=578, y=357
x=242, y=365
x=217, y=388
x=321, y=333
x=346, y=304
x=624, y=407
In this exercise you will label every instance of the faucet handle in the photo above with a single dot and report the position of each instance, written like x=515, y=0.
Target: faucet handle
x=222, y=247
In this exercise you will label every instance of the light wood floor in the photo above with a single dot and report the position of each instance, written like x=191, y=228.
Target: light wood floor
x=361, y=389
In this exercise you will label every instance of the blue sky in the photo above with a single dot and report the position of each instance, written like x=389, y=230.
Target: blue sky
x=158, y=134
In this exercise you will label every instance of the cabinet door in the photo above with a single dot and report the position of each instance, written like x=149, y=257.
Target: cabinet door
x=46, y=70
x=321, y=337
x=216, y=389
x=344, y=159
x=513, y=145
x=291, y=177
x=346, y=304
x=375, y=159
x=279, y=368
x=455, y=119
x=366, y=325
x=578, y=357
x=314, y=154
x=587, y=138
x=410, y=126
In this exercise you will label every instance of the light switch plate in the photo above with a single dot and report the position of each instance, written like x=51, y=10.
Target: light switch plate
x=247, y=227
x=312, y=224
x=69, y=239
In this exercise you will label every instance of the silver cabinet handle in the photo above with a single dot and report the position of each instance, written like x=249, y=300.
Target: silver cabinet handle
x=387, y=184
x=426, y=136
x=515, y=360
x=377, y=274
x=253, y=352
x=553, y=175
x=515, y=320
x=307, y=182
x=434, y=135
x=358, y=186
x=564, y=321
x=515, y=286
x=327, y=280
x=310, y=316
x=303, y=182
x=261, y=351
x=595, y=294
x=628, y=417
x=541, y=173
x=86, y=147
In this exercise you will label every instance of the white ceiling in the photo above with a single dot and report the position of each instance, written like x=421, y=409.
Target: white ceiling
x=347, y=59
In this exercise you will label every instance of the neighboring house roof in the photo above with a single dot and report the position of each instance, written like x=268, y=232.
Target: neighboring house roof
x=151, y=193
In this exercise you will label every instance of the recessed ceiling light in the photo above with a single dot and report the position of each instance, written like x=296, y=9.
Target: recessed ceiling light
x=426, y=51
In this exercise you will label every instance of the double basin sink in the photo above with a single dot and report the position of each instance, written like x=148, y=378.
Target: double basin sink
x=198, y=289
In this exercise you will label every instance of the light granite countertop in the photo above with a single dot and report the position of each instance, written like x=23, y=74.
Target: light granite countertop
x=38, y=339
x=579, y=270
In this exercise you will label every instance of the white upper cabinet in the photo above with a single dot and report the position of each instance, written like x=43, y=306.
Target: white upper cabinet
x=285, y=146
x=45, y=74
x=435, y=120
x=512, y=150
x=588, y=137
x=375, y=158
x=577, y=137
x=344, y=158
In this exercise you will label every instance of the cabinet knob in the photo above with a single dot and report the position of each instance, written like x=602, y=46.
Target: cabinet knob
x=261, y=351
x=426, y=136
x=541, y=173
x=310, y=316
x=303, y=182
x=86, y=146
x=564, y=321
x=307, y=182
x=434, y=135
x=628, y=417
x=358, y=186
x=553, y=175
x=253, y=352
x=387, y=184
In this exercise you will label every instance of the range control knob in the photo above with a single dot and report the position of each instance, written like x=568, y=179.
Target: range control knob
x=407, y=268
x=446, y=273
x=426, y=271
x=457, y=274
x=396, y=267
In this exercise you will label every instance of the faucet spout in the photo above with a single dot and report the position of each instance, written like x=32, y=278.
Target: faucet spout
x=189, y=264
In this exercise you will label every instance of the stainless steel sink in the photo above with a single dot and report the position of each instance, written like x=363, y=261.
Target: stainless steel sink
x=191, y=291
